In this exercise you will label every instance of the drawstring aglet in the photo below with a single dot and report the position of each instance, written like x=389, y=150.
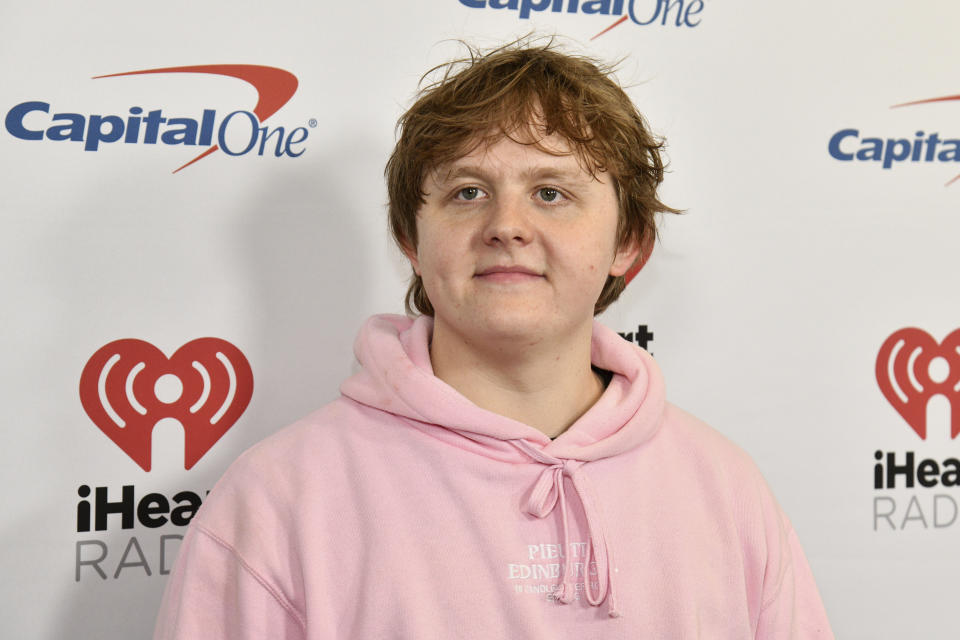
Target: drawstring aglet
x=565, y=593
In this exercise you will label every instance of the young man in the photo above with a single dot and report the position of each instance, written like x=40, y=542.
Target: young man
x=502, y=466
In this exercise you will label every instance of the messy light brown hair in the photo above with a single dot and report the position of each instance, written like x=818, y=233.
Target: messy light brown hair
x=534, y=90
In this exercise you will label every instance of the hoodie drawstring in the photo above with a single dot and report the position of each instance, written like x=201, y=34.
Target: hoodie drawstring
x=544, y=497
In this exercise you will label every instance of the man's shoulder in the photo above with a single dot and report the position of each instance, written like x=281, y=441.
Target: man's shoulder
x=317, y=430
x=283, y=467
x=698, y=444
x=696, y=431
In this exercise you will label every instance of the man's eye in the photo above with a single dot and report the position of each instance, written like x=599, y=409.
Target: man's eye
x=469, y=193
x=549, y=194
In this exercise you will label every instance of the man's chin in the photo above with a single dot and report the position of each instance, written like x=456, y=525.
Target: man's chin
x=522, y=329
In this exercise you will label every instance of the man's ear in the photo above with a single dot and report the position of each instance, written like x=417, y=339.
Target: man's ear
x=625, y=257
x=411, y=253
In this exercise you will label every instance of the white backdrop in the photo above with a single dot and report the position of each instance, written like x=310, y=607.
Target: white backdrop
x=769, y=300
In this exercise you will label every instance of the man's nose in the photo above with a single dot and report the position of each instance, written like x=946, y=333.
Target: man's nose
x=508, y=221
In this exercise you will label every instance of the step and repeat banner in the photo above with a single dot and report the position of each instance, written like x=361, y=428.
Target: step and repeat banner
x=194, y=229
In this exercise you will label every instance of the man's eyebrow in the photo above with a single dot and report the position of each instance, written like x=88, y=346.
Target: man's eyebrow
x=456, y=172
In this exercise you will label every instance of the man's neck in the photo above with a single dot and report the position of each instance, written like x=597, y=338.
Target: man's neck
x=545, y=385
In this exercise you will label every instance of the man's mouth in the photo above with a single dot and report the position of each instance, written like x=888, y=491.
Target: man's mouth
x=508, y=273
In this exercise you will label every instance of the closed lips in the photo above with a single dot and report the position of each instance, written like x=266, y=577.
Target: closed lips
x=508, y=270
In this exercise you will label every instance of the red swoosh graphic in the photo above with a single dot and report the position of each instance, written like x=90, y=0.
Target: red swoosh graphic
x=274, y=87
x=943, y=99
x=928, y=101
x=617, y=23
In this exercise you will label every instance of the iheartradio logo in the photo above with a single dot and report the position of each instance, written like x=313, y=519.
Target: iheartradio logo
x=128, y=385
x=912, y=368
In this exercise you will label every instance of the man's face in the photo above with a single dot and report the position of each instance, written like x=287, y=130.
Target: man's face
x=517, y=242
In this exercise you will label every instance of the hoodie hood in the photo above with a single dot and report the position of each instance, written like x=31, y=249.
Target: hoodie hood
x=397, y=377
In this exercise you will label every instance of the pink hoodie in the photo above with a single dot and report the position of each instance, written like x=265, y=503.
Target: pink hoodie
x=402, y=510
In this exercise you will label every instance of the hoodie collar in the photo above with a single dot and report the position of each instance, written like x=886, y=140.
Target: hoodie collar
x=397, y=377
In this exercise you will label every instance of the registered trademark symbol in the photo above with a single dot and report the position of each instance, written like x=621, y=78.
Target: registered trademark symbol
x=312, y=122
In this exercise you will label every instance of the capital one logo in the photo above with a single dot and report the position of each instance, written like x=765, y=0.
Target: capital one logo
x=152, y=126
x=679, y=13
x=849, y=145
x=912, y=368
x=128, y=385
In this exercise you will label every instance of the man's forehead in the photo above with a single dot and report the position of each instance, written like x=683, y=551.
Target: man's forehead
x=544, y=157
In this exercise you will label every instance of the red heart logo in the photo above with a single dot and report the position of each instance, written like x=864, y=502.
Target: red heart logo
x=903, y=373
x=206, y=385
